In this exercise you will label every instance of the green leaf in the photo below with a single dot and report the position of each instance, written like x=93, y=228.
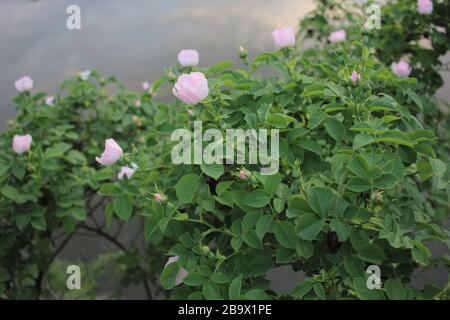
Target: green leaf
x=79, y=214
x=22, y=220
x=439, y=167
x=421, y=254
x=364, y=293
x=424, y=169
x=186, y=187
x=395, y=290
x=223, y=186
x=56, y=150
x=257, y=294
x=310, y=145
x=302, y=289
x=371, y=253
x=13, y=194
x=321, y=200
x=109, y=189
x=395, y=137
x=194, y=279
x=257, y=199
x=285, y=234
x=75, y=157
x=213, y=170
x=362, y=140
x=316, y=119
x=263, y=225
x=151, y=225
x=277, y=120
x=272, y=182
x=354, y=266
x=168, y=276
x=342, y=228
x=211, y=291
x=39, y=223
x=335, y=129
x=123, y=207
x=319, y=290
x=309, y=226
x=220, y=66
x=358, y=185
x=252, y=239
x=235, y=288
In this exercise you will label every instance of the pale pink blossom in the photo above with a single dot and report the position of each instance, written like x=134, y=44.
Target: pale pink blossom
x=424, y=6
x=145, y=85
x=50, y=100
x=337, y=36
x=111, y=154
x=191, y=88
x=188, y=57
x=401, y=68
x=24, y=84
x=137, y=103
x=283, y=37
x=125, y=171
x=21, y=143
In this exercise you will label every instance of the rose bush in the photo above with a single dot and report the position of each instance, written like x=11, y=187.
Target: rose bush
x=363, y=176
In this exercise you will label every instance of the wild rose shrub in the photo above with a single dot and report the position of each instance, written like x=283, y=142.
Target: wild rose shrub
x=404, y=32
x=362, y=179
x=348, y=194
x=49, y=192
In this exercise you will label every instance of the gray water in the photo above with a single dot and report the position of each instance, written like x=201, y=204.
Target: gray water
x=135, y=40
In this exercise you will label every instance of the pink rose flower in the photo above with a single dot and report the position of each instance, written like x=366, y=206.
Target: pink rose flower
x=21, y=144
x=24, y=84
x=283, y=37
x=424, y=6
x=191, y=88
x=188, y=57
x=355, y=76
x=401, y=68
x=111, y=154
x=50, y=100
x=337, y=36
x=182, y=273
x=125, y=171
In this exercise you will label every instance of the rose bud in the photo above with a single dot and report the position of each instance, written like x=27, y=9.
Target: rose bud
x=50, y=101
x=355, y=76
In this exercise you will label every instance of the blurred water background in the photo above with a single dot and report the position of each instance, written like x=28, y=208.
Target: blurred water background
x=135, y=40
